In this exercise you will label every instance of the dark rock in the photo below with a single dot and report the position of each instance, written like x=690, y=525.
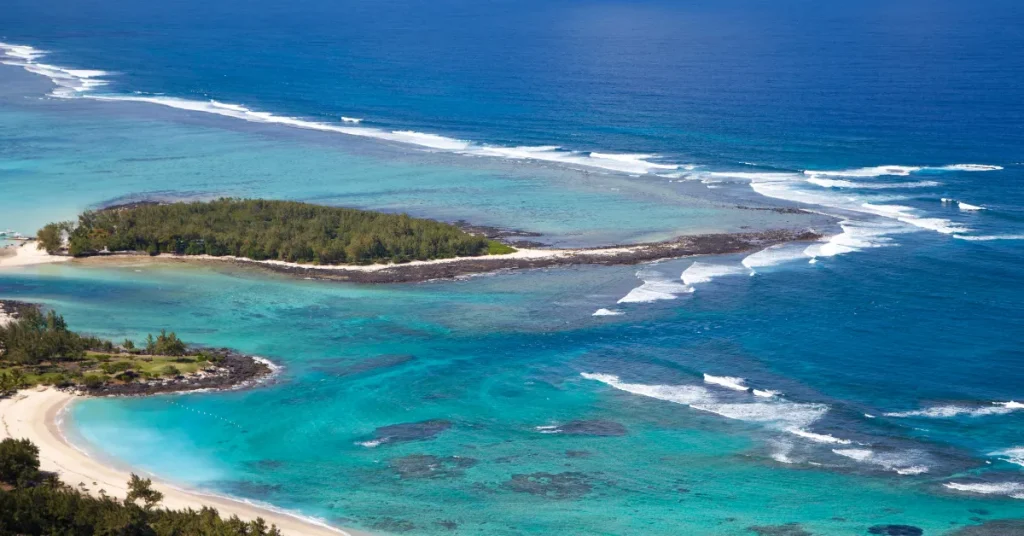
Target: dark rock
x=789, y=529
x=684, y=246
x=232, y=370
x=895, y=530
x=568, y=485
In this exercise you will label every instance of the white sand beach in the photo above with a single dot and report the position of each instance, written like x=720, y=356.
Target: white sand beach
x=28, y=254
x=33, y=414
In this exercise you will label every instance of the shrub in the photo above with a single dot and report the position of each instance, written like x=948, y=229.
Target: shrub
x=115, y=367
x=93, y=381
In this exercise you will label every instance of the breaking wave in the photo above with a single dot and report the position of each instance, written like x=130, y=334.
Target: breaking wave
x=1010, y=489
x=607, y=312
x=700, y=272
x=773, y=256
x=945, y=412
x=1013, y=455
x=785, y=416
x=79, y=83
x=655, y=287
x=729, y=382
x=904, y=463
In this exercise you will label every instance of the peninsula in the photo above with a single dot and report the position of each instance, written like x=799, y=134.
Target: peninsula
x=319, y=242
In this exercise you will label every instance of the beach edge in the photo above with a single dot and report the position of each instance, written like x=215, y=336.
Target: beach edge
x=34, y=414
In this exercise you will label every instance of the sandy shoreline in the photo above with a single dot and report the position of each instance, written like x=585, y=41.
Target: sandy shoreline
x=28, y=254
x=34, y=414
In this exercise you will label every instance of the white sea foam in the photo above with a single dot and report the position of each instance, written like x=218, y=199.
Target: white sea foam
x=782, y=452
x=896, y=170
x=856, y=236
x=373, y=443
x=765, y=393
x=819, y=438
x=969, y=207
x=729, y=382
x=970, y=167
x=773, y=256
x=841, y=183
x=1013, y=455
x=986, y=238
x=550, y=429
x=700, y=272
x=779, y=414
x=1010, y=489
x=874, y=171
x=945, y=412
x=655, y=287
x=607, y=312
x=903, y=463
x=77, y=82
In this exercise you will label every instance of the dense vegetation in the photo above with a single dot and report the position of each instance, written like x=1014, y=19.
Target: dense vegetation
x=261, y=230
x=32, y=502
x=39, y=348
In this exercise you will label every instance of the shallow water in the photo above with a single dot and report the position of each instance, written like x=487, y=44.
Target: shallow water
x=881, y=364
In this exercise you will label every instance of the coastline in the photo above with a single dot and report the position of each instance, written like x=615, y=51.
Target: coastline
x=523, y=258
x=34, y=414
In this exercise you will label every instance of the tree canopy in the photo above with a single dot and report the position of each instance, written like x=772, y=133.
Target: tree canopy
x=36, y=505
x=265, y=230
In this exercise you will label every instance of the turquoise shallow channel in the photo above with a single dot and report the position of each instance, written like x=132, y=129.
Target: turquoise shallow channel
x=844, y=387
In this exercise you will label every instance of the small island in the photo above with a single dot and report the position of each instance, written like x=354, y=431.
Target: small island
x=263, y=230
x=341, y=244
x=39, y=349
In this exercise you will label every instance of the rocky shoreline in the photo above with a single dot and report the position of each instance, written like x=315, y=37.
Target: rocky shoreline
x=709, y=244
x=232, y=371
x=227, y=370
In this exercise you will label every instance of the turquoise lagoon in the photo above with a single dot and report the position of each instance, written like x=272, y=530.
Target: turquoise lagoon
x=868, y=381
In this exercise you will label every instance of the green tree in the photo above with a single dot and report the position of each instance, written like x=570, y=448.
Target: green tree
x=19, y=462
x=142, y=489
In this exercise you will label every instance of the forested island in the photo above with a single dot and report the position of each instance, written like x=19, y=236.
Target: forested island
x=264, y=230
x=37, y=348
x=35, y=502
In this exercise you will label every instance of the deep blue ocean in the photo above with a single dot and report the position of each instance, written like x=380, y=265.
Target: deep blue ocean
x=874, y=378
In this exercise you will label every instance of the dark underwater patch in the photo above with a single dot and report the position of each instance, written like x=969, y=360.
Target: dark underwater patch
x=248, y=488
x=362, y=366
x=266, y=465
x=568, y=485
x=428, y=466
x=788, y=529
x=411, y=431
x=595, y=427
x=896, y=530
x=1003, y=527
x=393, y=524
